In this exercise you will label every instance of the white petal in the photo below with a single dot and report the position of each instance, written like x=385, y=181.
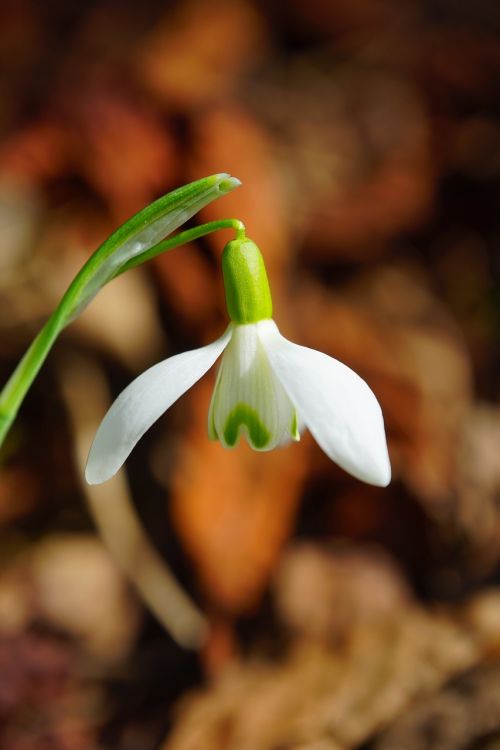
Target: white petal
x=248, y=397
x=142, y=402
x=336, y=405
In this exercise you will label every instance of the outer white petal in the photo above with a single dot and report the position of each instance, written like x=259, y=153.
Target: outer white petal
x=142, y=402
x=336, y=405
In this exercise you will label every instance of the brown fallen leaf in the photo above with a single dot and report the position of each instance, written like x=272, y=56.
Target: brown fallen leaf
x=321, y=595
x=188, y=288
x=41, y=703
x=330, y=689
x=20, y=492
x=20, y=212
x=343, y=18
x=359, y=167
x=197, y=52
x=462, y=60
x=69, y=582
x=121, y=147
x=233, y=510
x=37, y=153
x=465, y=714
x=78, y=588
x=476, y=515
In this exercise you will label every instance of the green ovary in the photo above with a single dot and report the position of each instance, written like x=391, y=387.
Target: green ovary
x=248, y=296
x=244, y=416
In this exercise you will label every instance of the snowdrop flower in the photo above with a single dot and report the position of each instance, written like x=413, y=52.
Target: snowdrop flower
x=267, y=389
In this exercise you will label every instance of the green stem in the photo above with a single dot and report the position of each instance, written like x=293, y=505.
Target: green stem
x=14, y=391
x=182, y=238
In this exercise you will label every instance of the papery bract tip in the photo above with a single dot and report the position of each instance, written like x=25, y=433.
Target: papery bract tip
x=228, y=183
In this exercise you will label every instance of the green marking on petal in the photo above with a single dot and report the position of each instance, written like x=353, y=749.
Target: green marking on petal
x=212, y=431
x=294, y=427
x=244, y=416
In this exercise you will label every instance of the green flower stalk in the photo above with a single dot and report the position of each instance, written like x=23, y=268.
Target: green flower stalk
x=142, y=237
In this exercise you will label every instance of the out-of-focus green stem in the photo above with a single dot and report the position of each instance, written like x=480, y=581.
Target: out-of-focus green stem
x=14, y=391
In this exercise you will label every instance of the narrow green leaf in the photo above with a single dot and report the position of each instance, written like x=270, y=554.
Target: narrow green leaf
x=140, y=238
x=140, y=233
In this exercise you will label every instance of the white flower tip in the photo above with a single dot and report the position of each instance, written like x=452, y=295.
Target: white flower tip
x=371, y=465
x=370, y=461
x=98, y=471
x=380, y=474
x=90, y=479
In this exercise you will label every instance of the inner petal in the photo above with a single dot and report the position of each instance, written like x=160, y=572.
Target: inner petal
x=244, y=417
x=248, y=399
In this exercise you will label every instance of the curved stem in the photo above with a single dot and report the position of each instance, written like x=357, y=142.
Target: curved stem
x=182, y=238
x=14, y=391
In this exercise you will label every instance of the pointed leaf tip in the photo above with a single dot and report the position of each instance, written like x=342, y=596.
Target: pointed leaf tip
x=228, y=183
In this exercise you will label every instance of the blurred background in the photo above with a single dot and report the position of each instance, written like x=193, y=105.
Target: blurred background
x=342, y=616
